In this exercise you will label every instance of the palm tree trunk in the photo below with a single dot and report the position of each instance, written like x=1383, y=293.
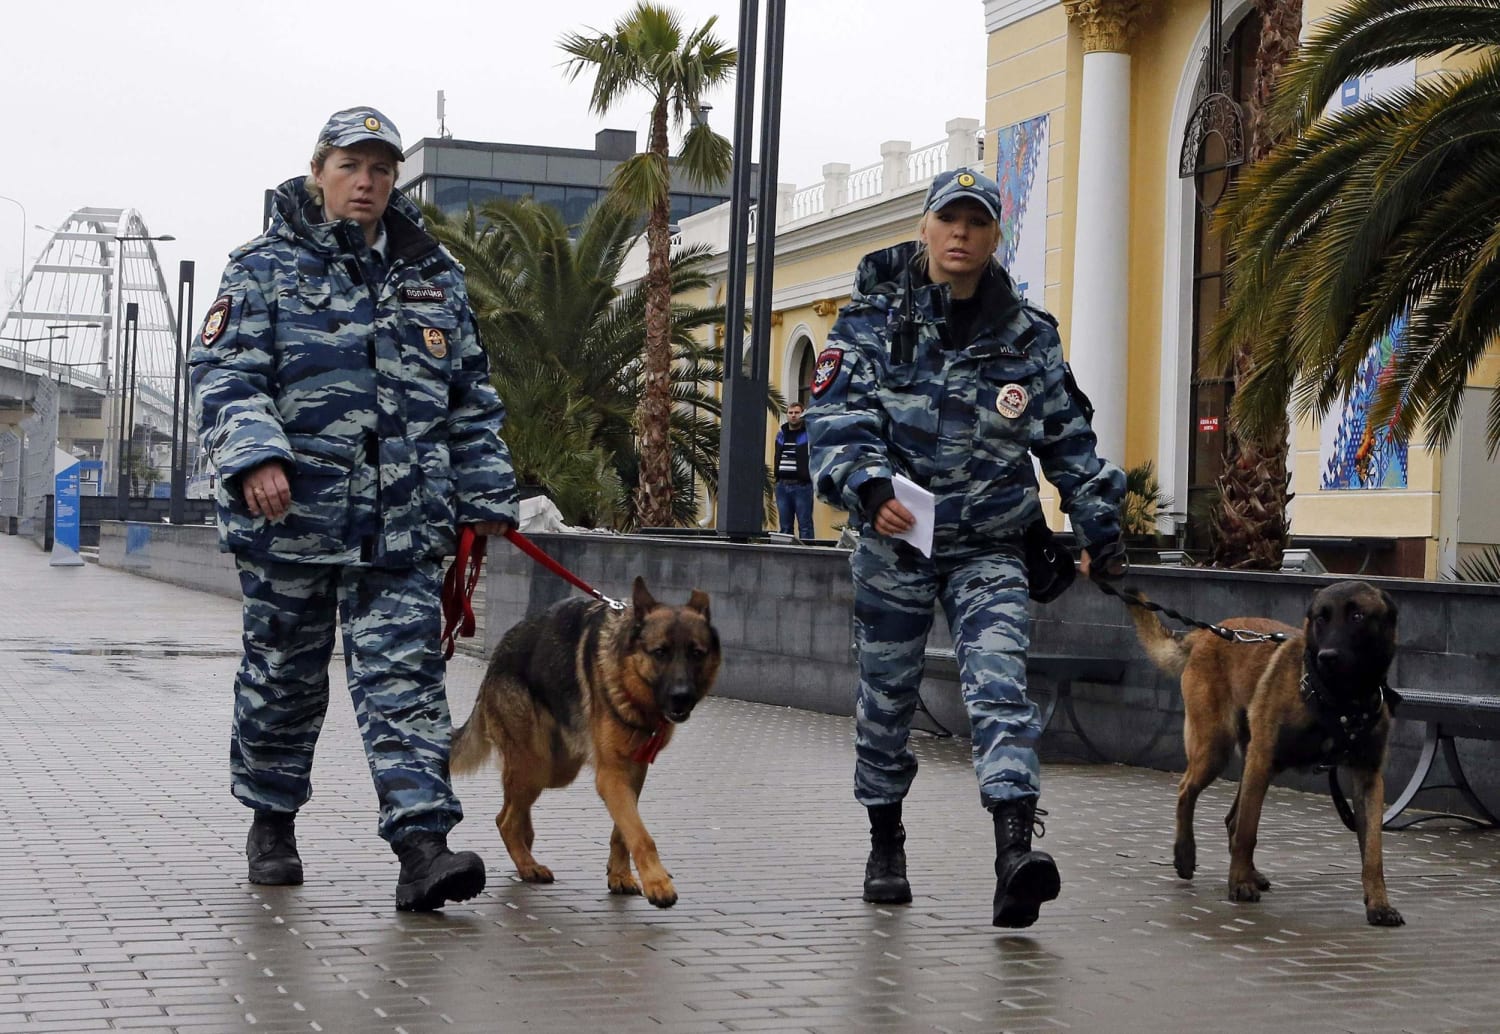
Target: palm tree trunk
x=1250, y=524
x=653, y=417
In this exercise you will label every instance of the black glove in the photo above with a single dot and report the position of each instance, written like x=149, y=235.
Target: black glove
x=1108, y=561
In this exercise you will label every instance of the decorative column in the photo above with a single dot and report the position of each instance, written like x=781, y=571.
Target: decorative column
x=1098, y=334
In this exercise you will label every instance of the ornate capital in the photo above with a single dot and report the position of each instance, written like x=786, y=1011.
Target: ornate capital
x=1107, y=25
x=824, y=307
x=776, y=318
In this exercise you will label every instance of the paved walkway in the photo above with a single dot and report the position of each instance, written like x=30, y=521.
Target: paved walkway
x=126, y=907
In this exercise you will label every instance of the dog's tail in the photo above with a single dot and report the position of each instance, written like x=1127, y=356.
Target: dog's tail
x=471, y=744
x=1166, y=651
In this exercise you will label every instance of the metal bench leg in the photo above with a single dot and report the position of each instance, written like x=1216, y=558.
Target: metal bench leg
x=942, y=731
x=1065, y=694
x=1434, y=736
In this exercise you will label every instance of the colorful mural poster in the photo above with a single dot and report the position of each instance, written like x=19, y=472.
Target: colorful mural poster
x=1021, y=171
x=1354, y=454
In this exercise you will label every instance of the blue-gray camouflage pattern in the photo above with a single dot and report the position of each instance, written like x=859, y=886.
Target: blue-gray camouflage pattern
x=356, y=125
x=937, y=419
x=366, y=379
x=891, y=397
x=984, y=597
x=391, y=621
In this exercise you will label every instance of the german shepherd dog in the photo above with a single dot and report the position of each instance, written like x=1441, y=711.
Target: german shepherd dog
x=584, y=683
x=1318, y=698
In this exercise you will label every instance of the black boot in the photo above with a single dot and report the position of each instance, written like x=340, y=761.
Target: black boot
x=271, y=849
x=885, y=872
x=432, y=875
x=1025, y=878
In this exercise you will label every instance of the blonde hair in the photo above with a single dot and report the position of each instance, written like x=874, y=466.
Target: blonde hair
x=920, y=259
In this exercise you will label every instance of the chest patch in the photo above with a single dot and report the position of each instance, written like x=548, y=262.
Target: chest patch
x=436, y=342
x=826, y=370
x=216, y=320
x=422, y=293
x=1011, y=402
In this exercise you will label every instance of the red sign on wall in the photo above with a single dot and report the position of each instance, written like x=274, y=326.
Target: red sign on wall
x=1208, y=423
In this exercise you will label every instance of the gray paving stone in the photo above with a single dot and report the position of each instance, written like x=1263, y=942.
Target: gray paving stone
x=114, y=706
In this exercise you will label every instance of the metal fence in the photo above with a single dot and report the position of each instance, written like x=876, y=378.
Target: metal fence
x=10, y=474
x=38, y=445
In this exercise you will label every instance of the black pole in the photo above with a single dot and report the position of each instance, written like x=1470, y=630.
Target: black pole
x=741, y=511
x=765, y=225
x=133, y=329
x=122, y=476
x=177, y=509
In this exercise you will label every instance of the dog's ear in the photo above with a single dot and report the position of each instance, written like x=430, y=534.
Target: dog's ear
x=699, y=601
x=641, y=598
x=1390, y=604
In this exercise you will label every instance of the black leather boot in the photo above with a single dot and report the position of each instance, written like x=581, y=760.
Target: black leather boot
x=432, y=875
x=271, y=849
x=885, y=872
x=1024, y=878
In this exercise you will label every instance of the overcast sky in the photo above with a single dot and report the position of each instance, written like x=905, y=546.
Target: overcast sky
x=188, y=109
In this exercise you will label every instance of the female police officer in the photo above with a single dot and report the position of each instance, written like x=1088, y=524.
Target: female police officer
x=937, y=371
x=344, y=397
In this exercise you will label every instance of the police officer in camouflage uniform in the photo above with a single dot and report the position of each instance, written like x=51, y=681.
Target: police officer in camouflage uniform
x=344, y=397
x=938, y=371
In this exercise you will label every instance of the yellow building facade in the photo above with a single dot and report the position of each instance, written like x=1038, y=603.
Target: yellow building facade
x=1087, y=106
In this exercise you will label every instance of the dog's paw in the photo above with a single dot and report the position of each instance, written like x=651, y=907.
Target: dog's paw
x=535, y=873
x=1243, y=890
x=623, y=884
x=1262, y=882
x=660, y=892
x=1384, y=916
x=1185, y=859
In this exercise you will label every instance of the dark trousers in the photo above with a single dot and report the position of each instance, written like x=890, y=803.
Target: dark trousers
x=795, y=500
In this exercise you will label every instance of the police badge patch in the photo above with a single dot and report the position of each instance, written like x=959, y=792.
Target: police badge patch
x=216, y=320
x=435, y=341
x=826, y=370
x=421, y=293
x=1011, y=402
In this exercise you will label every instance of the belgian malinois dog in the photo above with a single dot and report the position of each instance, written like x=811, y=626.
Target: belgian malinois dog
x=584, y=683
x=1318, y=698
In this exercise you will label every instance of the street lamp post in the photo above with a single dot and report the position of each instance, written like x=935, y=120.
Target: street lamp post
x=24, y=221
x=122, y=476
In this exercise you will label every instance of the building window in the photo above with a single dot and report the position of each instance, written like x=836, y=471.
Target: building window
x=802, y=362
x=452, y=195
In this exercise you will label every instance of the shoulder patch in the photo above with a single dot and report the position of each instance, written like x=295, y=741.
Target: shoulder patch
x=830, y=360
x=216, y=320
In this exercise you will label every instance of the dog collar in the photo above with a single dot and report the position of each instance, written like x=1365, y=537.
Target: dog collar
x=646, y=752
x=1345, y=728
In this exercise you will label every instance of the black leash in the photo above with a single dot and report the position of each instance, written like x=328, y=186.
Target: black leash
x=1233, y=635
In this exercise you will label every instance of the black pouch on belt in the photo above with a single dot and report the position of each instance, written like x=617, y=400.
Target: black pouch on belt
x=1049, y=563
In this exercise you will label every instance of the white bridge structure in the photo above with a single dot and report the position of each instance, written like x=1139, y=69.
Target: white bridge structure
x=111, y=378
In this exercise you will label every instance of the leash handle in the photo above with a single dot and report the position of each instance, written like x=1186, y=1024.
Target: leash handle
x=531, y=549
x=1233, y=635
x=458, y=589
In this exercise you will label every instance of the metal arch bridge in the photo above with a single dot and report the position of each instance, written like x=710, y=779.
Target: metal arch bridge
x=64, y=324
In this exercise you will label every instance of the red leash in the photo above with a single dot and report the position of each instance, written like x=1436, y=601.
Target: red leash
x=531, y=549
x=458, y=589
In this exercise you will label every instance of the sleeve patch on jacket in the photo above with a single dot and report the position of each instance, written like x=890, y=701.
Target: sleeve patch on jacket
x=216, y=320
x=826, y=370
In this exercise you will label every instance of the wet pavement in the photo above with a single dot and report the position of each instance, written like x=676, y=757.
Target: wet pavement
x=126, y=906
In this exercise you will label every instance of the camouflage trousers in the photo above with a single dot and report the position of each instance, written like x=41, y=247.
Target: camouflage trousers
x=391, y=622
x=985, y=600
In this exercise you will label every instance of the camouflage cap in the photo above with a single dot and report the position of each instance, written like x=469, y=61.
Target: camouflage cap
x=948, y=187
x=355, y=125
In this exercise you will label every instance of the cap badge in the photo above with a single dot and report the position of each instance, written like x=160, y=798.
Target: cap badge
x=1011, y=402
x=435, y=341
x=372, y=123
x=965, y=179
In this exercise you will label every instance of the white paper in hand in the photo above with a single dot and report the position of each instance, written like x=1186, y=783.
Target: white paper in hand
x=920, y=502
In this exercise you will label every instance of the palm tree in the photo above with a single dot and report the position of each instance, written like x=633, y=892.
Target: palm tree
x=565, y=347
x=1249, y=526
x=648, y=50
x=1384, y=213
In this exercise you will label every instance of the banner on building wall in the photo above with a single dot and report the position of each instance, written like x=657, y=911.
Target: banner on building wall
x=1353, y=453
x=1021, y=171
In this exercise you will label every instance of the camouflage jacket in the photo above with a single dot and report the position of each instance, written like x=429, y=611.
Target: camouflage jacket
x=368, y=382
x=891, y=395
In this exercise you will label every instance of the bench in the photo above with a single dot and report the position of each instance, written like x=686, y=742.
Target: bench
x=1446, y=716
x=1059, y=670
